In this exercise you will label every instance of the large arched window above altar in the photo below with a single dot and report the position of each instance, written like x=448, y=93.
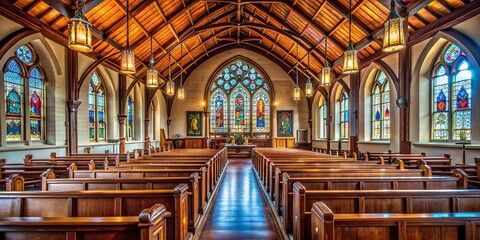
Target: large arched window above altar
x=240, y=100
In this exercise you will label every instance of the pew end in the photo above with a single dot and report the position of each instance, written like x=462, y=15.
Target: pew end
x=152, y=222
x=15, y=182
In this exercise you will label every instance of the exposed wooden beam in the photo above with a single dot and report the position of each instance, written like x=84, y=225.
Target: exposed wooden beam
x=414, y=7
x=61, y=7
x=319, y=10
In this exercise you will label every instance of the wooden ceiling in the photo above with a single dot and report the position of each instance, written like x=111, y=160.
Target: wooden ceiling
x=270, y=27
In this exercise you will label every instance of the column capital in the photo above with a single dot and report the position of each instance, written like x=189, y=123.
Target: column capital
x=121, y=118
x=73, y=105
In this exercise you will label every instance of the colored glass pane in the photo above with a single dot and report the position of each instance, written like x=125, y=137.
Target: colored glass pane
x=25, y=54
x=35, y=129
x=323, y=118
x=261, y=109
x=452, y=53
x=14, y=129
x=380, y=118
x=95, y=79
x=239, y=110
x=441, y=101
x=344, y=116
x=129, y=117
x=13, y=88
x=219, y=117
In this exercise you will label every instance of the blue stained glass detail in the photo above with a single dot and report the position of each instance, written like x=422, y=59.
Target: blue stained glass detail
x=265, y=86
x=14, y=129
x=130, y=109
x=227, y=86
x=91, y=116
x=452, y=53
x=245, y=81
x=345, y=119
x=462, y=99
x=25, y=54
x=463, y=65
x=441, y=102
x=35, y=104
x=233, y=82
x=220, y=82
x=378, y=116
x=100, y=116
x=35, y=129
x=95, y=79
x=259, y=82
x=14, y=102
x=252, y=86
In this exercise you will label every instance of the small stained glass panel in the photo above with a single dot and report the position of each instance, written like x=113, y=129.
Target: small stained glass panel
x=25, y=54
x=14, y=129
x=452, y=53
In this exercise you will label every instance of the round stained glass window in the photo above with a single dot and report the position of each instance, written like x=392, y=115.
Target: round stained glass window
x=25, y=54
x=452, y=53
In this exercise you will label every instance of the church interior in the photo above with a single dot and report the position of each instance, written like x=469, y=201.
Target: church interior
x=239, y=119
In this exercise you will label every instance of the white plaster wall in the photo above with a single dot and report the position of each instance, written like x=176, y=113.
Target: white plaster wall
x=198, y=79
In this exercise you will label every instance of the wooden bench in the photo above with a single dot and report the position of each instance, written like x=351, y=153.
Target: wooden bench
x=458, y=180
x=412, y=160
x=278, y=184
x=100, y=204
x=327, y=225
x=374, y=201
x=196, y=204
x=149, y=225
x=369, y=156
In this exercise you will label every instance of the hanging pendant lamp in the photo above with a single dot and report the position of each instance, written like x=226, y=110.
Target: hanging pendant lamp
x=326, y=68
x=393, y=35
x=181, y=91
x=350, y=59
x=170, y=86
x=308, y=85
x=296, y=89
x=128, y=56
x=80, y=30
x=152, y=73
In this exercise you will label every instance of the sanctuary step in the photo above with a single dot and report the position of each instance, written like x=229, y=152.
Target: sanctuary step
x=239, y=210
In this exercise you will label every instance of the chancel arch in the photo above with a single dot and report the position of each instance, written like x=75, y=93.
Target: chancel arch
x=240, y=100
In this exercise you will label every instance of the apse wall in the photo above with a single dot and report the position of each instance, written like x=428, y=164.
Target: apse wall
x=197, y=81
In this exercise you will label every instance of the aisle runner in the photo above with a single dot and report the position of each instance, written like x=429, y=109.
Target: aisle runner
x=239, y=210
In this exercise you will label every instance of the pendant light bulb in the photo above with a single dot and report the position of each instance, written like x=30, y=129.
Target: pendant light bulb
x=308, y=85
x=152, y=73
x=170, y=86
x=181, y=90
x=326, y=70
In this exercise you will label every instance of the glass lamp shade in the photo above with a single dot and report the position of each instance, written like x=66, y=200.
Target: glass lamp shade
x=170, y=88
x=152, y=77
x=350, y=60
x=181, y=93
x=127, y=65
x=393, y=36
x=80, y=34
x=308, y=88
x=326, y=76
x=296, y=93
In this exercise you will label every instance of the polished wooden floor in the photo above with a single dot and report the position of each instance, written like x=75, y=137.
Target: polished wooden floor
x=239, y=211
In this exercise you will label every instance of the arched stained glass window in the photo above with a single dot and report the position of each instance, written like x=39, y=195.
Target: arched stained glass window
x=96, y=109
x=323, y=118
x=344, y=115
x=14, y=87
x=37, y=103
x=240, y=110
x=24, y=100
x=130, y=118
x=239, y=100
x=380, y=117
x=451, y=96
x=261, y=113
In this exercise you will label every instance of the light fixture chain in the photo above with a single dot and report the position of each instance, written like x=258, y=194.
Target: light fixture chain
x=181, y=66
x=128, y=25
x=297, y=67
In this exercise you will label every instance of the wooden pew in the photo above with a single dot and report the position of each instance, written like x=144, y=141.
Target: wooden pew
x=369, y=156
x=100, y=204
x=327, y=225
x=149, y=225
x=278, y=185
x=374, y=201
x=196, y=206
x=412, y=160
x=458, y=180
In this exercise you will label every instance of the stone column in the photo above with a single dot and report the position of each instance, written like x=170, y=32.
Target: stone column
x=147, y=137
x=121, y=124
x=72, y=137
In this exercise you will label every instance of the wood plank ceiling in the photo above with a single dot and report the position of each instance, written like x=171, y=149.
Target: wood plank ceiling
x=271, y=27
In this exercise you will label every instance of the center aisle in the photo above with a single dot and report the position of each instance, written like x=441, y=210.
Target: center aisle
x=239, y=211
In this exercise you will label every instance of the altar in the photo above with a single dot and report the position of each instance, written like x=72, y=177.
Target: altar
x=240, y=151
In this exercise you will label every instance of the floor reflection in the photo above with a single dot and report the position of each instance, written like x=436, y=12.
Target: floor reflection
x=239, y=211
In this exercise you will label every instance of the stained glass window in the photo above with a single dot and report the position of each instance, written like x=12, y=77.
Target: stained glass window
x=261, y=111
x=96, y=109
x=323, y=118
x=25, y=54
x=240, y=110
x=14, y=87
x=451, y=96
x=344, y=116
x=239, y=100
x=24, y=91
x=130, y=118
x=36, y=93
x=380, y=118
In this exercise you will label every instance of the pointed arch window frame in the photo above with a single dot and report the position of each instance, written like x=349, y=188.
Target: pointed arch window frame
x=450, y=75
x=380, y=90
x=213, y=86
x=25, y=118
x=344, y=115
x=323, y=118
x=96, y=123
x=130, y=123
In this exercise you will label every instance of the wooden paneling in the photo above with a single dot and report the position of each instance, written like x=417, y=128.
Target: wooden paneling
x=195, y=143
x=284, y=142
